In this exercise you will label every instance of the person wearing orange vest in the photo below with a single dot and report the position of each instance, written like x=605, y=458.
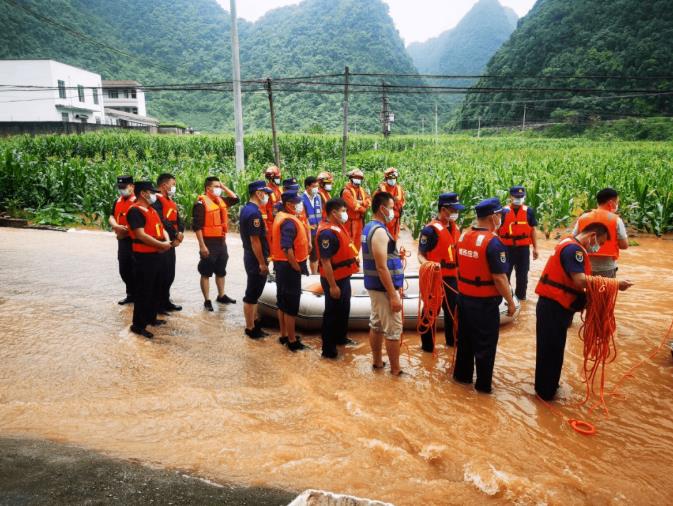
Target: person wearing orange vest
x=149, y=239
x=119, y=225
x=338, y=262
x=210, y=222
x=289, y=252
x=273, y=180
x=170, y=216
x=604, y=261
x=518, y=233
x=392, y=186
x=482, y=284
x=325, y=185
x=358, y=202
x=561, y=291
x=437, y=243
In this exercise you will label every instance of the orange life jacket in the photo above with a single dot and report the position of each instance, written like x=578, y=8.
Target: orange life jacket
x=360, y=199
x=555, y=283
x=325, y=196
x=475, y=278
x=611, y=247
x=274, y=198
x=398, y=195
x=344, y=261
x=515, y=229
x=169, y=209
x=300, y=245
x=153, y=227
x=121, y=209
x=216, y=222
x=444, y=253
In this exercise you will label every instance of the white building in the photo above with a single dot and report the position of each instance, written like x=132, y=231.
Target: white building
x=125, y=96
x=47, y=90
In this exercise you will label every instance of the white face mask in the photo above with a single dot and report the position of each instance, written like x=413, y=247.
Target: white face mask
x=126, y=192
x=172, y=191
x=454, y=216
x=152, y=198
x=518, y=202
x=389, y=215
x=276, y=180
x=264, y=199
x=328, y=187
x=298, y=208
x=356, y=182
x=391, y=182
x=314, y=191
x=343, y=216
x=217, y=191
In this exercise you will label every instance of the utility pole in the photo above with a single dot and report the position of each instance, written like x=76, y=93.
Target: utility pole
x=276, y=151
x=523, y=124
x=479, y=128
x=422, y=126
x=435, y=119
x=238, y=108
x=344, y=142
x=387, y=117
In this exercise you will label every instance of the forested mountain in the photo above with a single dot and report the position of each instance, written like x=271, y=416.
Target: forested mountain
x=188, y=41
x=621, y=38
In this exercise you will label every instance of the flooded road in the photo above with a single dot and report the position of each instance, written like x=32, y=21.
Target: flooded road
x=204, y=399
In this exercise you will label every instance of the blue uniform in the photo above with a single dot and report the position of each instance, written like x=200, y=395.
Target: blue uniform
x=251, y=224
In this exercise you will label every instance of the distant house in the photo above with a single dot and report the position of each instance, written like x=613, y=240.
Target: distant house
x=125, y=104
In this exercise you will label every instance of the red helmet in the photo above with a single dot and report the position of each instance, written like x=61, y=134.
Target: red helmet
x=272, y=172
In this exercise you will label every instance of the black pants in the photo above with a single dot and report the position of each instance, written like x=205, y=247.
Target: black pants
x=335, y=317
x=126, y=265
x=519, y=259
x=478, y=331
x=166, y=277
x=288, y=288
x=452, y=298
x=147, y=284
x=552, y=323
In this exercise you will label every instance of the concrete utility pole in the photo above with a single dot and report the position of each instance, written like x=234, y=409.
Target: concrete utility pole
x=422, y=126
x=238, y=108
x=344, y=144
x=435, y=119
x=479, y=128
x=387, y=117
x=523, y=124
x=276, y=151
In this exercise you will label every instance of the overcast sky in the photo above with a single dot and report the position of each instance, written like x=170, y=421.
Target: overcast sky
x=416, y=20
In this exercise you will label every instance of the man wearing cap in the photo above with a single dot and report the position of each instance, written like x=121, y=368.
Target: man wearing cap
x=210, y=222
x=384, y=279
x=391, y=185
x=170, y=216
x=482, y=284
x=325, y=182
x=438, y=244
x=118, y=222
x=604, y=260
x=149, y=240
x=313, y=213
x=357, y=203
x=255, y=254
x=518, y=232
x=338, y=262
x=289, y=252
x=273, y=178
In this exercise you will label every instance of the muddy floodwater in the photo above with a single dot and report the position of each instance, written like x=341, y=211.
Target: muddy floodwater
x=202, y=398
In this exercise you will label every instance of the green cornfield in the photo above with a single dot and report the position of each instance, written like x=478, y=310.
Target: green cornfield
x=66, y=180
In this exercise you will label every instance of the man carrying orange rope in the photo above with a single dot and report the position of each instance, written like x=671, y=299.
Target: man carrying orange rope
x=562, y=291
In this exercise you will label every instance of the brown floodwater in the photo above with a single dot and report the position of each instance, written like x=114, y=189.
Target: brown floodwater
x=202, y=398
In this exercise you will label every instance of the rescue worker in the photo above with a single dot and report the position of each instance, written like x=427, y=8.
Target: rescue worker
x=325, y=183
x=289, y=252
x=119, y=224
x=518, y=233
x=604, y=261
x=149, y=240
x=170, y=216
x=210, y=222
x=438, y=244
x=255, y=254
x=384, y=278
x=562, y=292
x=313, y=213
x=358, y=202
x=338, y=261
x=273, y=178
x=482, y=284
x=392, y=186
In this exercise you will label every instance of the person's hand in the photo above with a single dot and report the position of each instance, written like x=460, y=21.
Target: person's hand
x=511, y=308
x=180, y=237
x=625, y=284
x=396, y=303
x=263, y=269
x=165, y=246
x=535, y=254
x=335, y=292
x=204, y=252
x=296, y=267
x=175, y=243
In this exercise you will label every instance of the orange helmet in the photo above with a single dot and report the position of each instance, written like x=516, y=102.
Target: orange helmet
x=272, y=172
x=325, y=177
x=356, y=174
x=391, y=173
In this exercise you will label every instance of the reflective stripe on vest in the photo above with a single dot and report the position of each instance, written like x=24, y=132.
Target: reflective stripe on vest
x=153, y=227
x=344, y=261
x=169, y=209
x=216, y=217
x=611, y=247
x=444, y=252
x=313, y=211
x=515, y=229
x=121, y=210
x=300, y=245
x=394, y=262
x=474, y=277
x=555, y=283
x=359, y=196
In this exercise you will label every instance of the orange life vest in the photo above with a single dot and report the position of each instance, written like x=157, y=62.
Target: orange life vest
x=300, y=245
x=169, y=209
x=344, y=261
x=325, y=196
x=216, y=222
x=611, y=247
x=121, y=209
x=555, y=283
x=274, y=198
x=515, y=229
x=475, y=278
x=153, y=227
x=444, y=253
x=398, y=195
x=360, y=199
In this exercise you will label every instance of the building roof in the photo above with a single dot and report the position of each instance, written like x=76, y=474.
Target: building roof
x=146, y=120
x=120, y=84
